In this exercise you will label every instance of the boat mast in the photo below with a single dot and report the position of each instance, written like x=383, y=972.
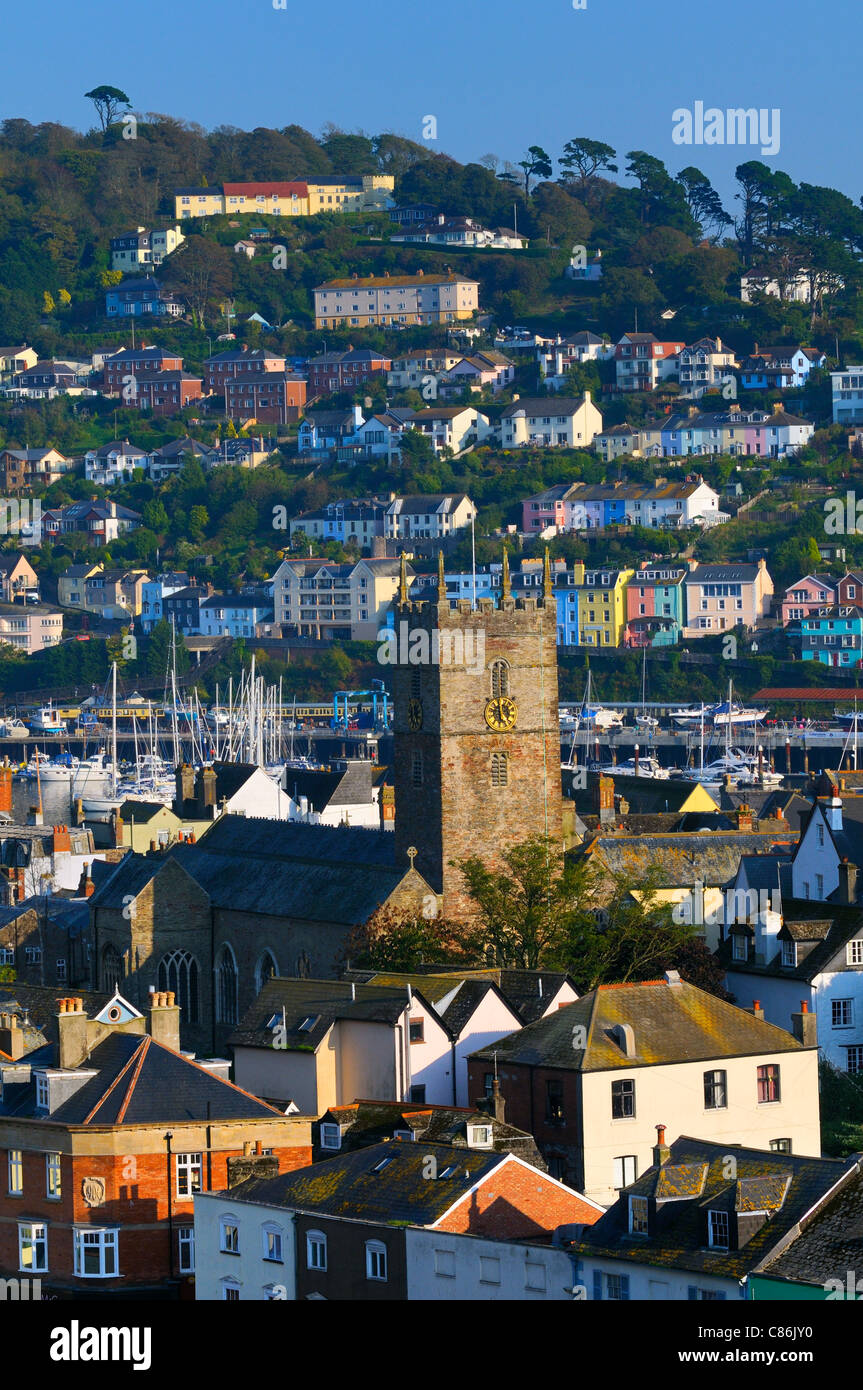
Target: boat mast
x=113, y=729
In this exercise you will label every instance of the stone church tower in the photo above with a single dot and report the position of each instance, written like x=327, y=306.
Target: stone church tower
x=477, y=730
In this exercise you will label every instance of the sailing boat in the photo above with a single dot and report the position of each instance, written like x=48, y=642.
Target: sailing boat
x=645, y=720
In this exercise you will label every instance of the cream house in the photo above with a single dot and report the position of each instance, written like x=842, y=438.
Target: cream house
x=542, y=422
x=593, y=1080
x=344, y=601
x=360, y=301
x=720, y=597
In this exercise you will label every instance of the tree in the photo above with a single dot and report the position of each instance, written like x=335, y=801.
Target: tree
x=393, y=940
x=109, y=102
x=520, y=906
x=48, y=305
x=200, y=271
x=536, y=164
x=704, y=204
x=586, y=157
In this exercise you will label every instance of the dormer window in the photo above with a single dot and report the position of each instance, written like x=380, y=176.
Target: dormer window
x=331, y=1136
x=405, y=1134
x=718, y=1227
x=638, y=1225
x=43, y=1100
x=740, y=948
x=479, y=1136
x=789, y=953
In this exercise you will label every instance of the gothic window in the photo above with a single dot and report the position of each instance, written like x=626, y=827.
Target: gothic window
x=112, y=969
x=179, y=972
x=226, y=986
x=499, y=769
x=499, y=679
x=265, y=969
x=417, y=769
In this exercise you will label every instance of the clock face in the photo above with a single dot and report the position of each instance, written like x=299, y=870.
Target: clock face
x=501, y=713
x=415, y=715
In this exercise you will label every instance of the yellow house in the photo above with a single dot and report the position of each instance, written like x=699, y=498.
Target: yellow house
x=601, y=605
x=285, y=198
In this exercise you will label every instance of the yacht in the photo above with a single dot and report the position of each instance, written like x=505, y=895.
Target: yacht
x=730, y=714
x=58, y=770
x=646, y=767
x=46, y=721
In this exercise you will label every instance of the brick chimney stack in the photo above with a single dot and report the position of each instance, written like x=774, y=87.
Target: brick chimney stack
x=165, y=1020
x=11, y=1037
x=804, y=1026
x=661, y=1151
x=72, y=1031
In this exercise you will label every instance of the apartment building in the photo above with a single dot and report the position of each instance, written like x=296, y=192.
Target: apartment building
x=143, y=248
x=135, y=362
x=364, y=301
x=243, y=361
x=166, y=393
x=273, y=398
x=847, y=395
x=292, y=199
x=348, y=602
x=30, y=627
x=704, y=366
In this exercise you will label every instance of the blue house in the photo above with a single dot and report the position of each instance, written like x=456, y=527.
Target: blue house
x=833, y=636
x=141, y=298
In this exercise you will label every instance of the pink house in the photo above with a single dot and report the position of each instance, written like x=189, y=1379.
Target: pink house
x=808, y=595
x=546, y=509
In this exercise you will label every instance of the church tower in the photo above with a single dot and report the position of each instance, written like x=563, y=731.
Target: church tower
x=477, y=730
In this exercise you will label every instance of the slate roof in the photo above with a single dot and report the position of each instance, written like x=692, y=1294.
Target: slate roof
x=368, y=1122
x=323, y=1002
x=455, y=999
x=787, y=1186
x=804, y=921
x=40, y=1004
x=398, y=1192
x=139, y=1081
x=671, y=1022
x=829, y=1244
x=711, y=857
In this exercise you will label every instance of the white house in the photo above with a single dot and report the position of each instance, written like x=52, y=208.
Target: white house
x=446, y=1267
x=847, y=391
x=429, y=517
x=540, y=422
x=704, y=366
x=555, y=359
x=453, y=427
x=793, y=288
x=113, y=463
x=233, y=615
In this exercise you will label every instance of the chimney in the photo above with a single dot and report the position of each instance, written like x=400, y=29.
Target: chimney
x=661, y=1151
x=165, y=1020
x=11, y=1037
x=86, y=886
x=745, y=818
x=72, y=1030
x=604, y=798
x=185, y=776
x=756, y=1010
x=498, y=1104
x=208, y=787
x=833, y=810
x=804, y=1026
x=62, y=843
x=847, y=883
x=6, y=787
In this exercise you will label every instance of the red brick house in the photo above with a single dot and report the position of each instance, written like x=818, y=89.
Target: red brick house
x=343, y=371
x=137, y=362
x=270, y=397
x=106, y=1135
x=241, y=361
x=166, y=393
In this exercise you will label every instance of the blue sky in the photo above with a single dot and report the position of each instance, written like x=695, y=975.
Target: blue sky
x=497, y=74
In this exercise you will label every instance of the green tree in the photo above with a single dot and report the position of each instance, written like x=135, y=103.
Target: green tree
x=586, y=158
x=536, y=164
x=109, y=102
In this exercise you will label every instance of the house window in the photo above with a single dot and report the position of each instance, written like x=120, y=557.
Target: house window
x=625, y=1171
x=444, y=1264
x=718, y=1229
x=854, y=953
x=638, y=1216
x=376, y=1261
x=623, y=1100
x=96, y=1253
x=499, y=769
x=186, y=1243
x=715, y=1090
x=416, y=1030
x=188, y=1174
x=33, y=955
x=614, y=1287
x=316, y=1250
x=272, y=1243
x=534, y=1276
x=229, y=1239
x=16, y=1173
x=53, y=1177
x=768, y=1084
x=789, y=953
x=554, y=1102
x=855, y=1060
x=42, y=1092
x=230, y=1291
x=819, y=834
x=33, y=1247
x=61, y=972
x=780, y=1146
x=489, y=1269
x=843, y=1013
x=331, y=1136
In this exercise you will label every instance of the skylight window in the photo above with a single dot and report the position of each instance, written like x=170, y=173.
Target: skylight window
x=308, y=1023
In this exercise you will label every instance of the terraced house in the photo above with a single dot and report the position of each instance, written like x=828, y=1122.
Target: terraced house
x=360, y=302
x=321, y=599
x=280, y=199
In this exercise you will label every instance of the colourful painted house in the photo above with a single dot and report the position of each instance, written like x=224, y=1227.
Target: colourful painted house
x=833, y=636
